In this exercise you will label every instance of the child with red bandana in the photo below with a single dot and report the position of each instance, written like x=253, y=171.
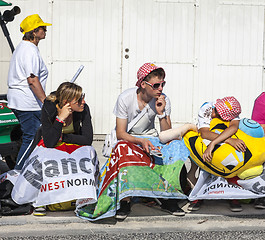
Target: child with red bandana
x=227, y=109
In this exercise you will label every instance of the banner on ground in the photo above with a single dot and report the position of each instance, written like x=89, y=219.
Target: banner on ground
x=209, y=186
x=51, y=176
x=11, y=175
x=132, y=172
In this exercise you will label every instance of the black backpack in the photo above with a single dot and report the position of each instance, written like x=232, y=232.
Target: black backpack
x=7, y=206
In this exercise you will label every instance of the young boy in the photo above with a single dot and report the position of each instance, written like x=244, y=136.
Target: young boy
x=131, y=102
x=147, y=93
x=227, y=109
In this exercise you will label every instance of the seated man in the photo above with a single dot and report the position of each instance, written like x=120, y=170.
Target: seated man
x=141, y=165
x=148, y=94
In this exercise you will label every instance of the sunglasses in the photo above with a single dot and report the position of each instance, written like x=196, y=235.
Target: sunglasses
x=80, y=100
x=156, y=85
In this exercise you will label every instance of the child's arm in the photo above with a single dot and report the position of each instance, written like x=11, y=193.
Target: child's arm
x=225, y=136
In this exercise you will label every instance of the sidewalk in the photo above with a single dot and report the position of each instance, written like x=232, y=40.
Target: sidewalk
x=141, y=215
x=213, y=216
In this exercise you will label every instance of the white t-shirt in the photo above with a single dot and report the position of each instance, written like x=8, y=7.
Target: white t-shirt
x=25, y=60
x=205, y=115
x=127, y=107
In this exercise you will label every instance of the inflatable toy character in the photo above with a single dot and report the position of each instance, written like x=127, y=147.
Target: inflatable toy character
x=227, y=162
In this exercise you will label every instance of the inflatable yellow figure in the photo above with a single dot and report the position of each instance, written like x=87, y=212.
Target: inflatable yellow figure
x=228, y=162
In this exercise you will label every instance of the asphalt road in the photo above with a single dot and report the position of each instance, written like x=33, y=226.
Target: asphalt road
x=146, y=234
x=165, y=235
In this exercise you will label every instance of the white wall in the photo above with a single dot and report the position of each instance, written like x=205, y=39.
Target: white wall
x=209, y=49
x=230, y=51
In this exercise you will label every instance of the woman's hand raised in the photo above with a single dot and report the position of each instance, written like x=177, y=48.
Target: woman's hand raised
x=65, y=111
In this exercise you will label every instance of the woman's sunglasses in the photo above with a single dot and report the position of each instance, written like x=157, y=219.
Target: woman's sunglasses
x=156, y=85
x=80, y=100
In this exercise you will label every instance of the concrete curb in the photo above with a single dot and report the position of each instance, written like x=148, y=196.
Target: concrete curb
x=211, y=210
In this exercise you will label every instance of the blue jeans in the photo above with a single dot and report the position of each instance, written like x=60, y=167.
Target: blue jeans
x=30, y=122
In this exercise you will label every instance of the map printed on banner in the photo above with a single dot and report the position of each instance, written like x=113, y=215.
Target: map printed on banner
x=131, y=172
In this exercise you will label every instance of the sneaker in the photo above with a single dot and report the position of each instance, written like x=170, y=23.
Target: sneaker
x=260, y=203
x=123, y=212
x=39, y=211
x=235, y=206
x=172, y=207
x=195, y=205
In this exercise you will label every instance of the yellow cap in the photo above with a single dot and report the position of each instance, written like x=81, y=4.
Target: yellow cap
x=31, y=22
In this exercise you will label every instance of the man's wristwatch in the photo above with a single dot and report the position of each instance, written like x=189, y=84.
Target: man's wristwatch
x=162, y=116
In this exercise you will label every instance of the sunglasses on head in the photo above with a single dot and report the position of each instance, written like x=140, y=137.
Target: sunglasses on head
x=156, y=85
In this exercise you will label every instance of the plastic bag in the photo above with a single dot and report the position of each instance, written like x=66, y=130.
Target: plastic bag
x=110, y=142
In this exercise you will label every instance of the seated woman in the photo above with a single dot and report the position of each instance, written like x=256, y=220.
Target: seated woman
x=64, y=160
x=66, y=117
x=140, y=165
